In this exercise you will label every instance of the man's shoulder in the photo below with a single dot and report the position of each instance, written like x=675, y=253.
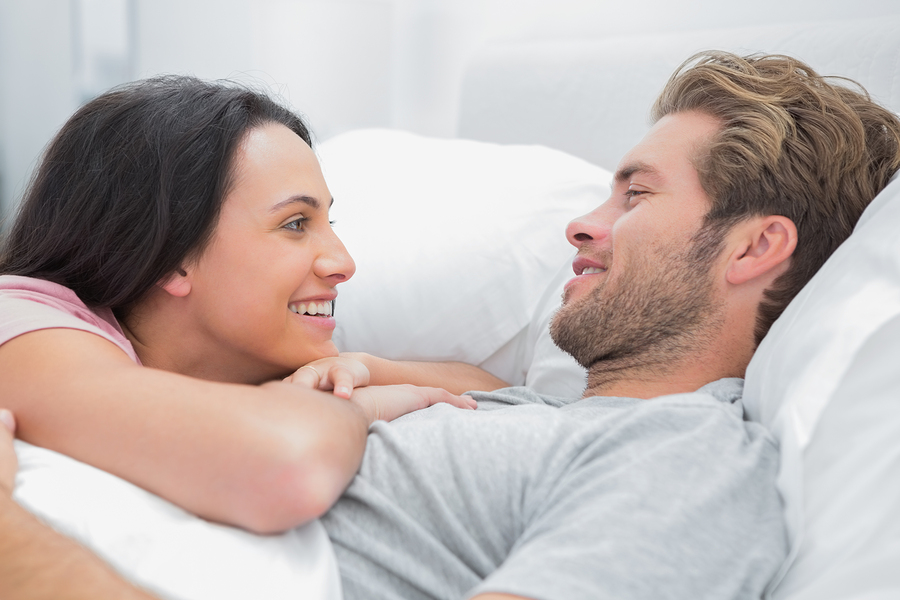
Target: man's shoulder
x=517, y=396
x=707, y=416
x=713, y=411
x=722, y=395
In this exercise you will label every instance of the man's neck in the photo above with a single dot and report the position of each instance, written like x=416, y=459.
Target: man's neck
x=600, y=384
x=688, y=373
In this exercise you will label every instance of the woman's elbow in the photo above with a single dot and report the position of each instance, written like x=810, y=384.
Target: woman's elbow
x=297, y=495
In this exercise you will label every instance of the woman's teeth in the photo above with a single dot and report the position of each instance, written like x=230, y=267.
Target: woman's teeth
x=592, y=270
x=312, y=308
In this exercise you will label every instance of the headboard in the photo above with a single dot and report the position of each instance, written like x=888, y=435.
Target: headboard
x=591, y=98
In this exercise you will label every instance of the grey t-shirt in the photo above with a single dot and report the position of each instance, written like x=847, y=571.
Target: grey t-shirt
x=557, y=499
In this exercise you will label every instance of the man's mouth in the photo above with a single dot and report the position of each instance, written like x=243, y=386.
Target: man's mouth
x=583, y=265
x=313, y=309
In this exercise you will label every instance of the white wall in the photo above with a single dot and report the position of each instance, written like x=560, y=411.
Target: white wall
x=330, y=59
x=37, y=90
x=434, y=39
x=345, y=63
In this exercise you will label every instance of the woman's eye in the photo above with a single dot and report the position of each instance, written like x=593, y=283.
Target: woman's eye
x=296, y=224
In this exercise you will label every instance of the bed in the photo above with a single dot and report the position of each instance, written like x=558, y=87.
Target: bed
x=461, y=255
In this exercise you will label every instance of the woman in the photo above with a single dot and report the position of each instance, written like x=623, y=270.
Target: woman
x=171, y=262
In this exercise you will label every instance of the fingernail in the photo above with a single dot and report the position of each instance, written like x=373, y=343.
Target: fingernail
x=342, y=391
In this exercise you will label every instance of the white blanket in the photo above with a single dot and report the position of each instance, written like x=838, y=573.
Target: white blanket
x=168, y=551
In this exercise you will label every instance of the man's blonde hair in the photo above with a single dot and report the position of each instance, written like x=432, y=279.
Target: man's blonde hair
x=792, y=143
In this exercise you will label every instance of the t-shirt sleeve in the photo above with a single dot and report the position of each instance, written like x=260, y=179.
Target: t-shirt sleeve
x=20, y=315
x=672, y=506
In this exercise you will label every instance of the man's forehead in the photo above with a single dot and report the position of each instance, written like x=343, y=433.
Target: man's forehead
x=670, y=148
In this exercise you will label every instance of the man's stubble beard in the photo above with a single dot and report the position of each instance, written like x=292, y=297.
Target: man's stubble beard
x=660, y=312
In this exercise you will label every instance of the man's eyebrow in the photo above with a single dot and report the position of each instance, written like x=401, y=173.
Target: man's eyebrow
x=308, y=200
x=625, y=173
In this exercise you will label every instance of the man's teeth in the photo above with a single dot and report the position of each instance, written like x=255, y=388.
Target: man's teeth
x=592, y=270
x=312, y=308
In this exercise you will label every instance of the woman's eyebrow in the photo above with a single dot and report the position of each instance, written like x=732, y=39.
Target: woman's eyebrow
x=308, y=200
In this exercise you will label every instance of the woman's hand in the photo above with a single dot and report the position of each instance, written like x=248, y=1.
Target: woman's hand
x=386, y=403
x=9, y=464
x=340, y=374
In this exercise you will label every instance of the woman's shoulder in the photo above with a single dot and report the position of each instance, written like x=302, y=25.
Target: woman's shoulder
x=20, y=296
x=30, y=304
x=36, y=290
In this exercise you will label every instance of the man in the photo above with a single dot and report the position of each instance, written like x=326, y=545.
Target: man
x=36, y=563
x=755, y=170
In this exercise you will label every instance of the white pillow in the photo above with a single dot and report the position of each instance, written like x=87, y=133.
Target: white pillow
x=170, y=552
x=551, y=370
x=456, y=243
x=826, y=379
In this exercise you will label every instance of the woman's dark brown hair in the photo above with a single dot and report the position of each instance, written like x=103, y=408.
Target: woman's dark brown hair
x=132, y=186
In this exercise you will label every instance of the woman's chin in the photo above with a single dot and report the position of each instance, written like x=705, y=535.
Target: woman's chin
x=325, y=350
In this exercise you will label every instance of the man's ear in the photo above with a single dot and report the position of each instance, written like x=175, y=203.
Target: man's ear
x=764, y=243
x=177, y=283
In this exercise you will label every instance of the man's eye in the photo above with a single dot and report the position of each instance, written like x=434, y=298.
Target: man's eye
x=632, y=194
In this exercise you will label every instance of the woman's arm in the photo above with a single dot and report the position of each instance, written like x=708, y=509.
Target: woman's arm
x=265, y=458
x=455, y=377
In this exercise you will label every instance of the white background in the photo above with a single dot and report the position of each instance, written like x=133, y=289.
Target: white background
x=343, y=63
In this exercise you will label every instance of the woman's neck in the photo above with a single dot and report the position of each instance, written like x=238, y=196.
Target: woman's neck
x=165, y=337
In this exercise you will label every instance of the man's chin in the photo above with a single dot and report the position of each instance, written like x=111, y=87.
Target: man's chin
x=567, y=340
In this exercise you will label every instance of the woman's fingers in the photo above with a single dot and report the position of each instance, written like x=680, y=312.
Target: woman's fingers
x=344, y=375
x=342, y=381
x=8, y=462
x=339, y=374
x=388, y=402
x=436, y=395
x=306, y=376
x=7, y=418
x=470, y=402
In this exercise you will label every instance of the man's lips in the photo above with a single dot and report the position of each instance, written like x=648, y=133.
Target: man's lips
x=585, y=268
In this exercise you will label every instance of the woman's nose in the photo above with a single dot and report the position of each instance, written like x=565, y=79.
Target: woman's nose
x=334, y=262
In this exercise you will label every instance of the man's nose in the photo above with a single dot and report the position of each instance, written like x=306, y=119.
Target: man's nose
x=593, y=226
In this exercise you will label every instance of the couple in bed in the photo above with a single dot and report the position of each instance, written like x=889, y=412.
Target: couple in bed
x=166, y=314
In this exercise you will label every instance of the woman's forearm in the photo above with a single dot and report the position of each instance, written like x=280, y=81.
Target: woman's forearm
x=455, y=377
x=265, y=458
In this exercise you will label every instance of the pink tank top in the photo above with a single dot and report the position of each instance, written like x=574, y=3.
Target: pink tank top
x=28, y=304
